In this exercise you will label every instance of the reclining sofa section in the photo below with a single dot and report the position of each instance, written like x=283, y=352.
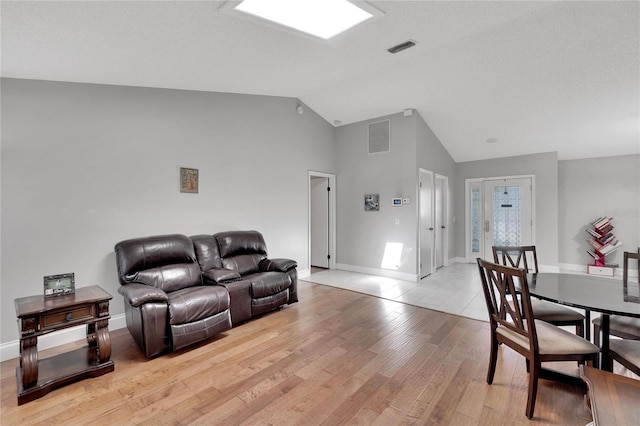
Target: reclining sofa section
x=237, y=260
x=179, y=290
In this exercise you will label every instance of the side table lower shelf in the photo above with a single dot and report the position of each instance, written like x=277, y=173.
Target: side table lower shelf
x=60, y=370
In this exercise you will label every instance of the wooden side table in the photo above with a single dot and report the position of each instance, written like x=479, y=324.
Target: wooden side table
x=38, y=316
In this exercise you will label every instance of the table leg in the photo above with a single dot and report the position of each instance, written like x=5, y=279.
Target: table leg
x=587, y=324
x=606, y=363
x=103, y=340
x=29, y=361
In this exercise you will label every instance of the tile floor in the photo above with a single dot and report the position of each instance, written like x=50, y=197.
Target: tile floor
x=454, y=289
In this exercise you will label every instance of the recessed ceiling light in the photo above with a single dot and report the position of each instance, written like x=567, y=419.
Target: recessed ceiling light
x=321, y=18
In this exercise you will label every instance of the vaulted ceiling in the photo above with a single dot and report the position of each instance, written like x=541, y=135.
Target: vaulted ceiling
x=538, y=76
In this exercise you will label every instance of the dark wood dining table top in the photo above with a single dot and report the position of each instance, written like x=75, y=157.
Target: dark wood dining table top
x=605, y=295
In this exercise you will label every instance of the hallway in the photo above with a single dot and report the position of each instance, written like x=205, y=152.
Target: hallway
x=454, y=289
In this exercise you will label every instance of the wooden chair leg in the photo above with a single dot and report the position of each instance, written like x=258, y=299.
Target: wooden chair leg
x=534, y=374
x=596, y=335
x=580, y=330
x=493, y=359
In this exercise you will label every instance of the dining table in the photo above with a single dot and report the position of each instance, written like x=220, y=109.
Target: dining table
x=608, y=296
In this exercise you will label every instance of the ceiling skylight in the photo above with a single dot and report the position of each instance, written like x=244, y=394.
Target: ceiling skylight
x=321, y=18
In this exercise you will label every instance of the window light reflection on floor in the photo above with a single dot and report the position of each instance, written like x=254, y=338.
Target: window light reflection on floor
x=391, y=257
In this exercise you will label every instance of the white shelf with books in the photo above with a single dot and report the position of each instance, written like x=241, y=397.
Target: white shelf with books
x=602, y=242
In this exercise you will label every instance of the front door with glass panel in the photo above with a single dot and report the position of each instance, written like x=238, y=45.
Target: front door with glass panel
x=499, y=214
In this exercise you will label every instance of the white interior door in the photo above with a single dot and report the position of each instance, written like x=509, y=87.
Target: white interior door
x=440, y=220
x=508, y=217
x=427, y=225
x=319, y=221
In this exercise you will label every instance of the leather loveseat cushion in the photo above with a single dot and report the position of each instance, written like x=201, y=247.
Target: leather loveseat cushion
x=266, y=284
x=169, y=278
x=196, y=303
x=243, y=263
x=206, y=249
x=232, y=243
x=138, y=254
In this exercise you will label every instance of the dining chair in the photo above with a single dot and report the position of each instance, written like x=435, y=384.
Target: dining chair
x=620, y=326
x=516, y=256
x=513, y=325
x=626, y=352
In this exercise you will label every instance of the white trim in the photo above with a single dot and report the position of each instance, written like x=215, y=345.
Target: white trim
x=421, y=225
x=11, y=349
x=445, y=218
x=304, y=273
x=582, y=269
x=379, y=272
x=332, y=217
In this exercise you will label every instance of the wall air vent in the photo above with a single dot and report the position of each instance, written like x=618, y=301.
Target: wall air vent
x=379, y=137
x=402, y=46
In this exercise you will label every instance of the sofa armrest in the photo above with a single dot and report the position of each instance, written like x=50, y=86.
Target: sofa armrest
x=279, y=265
x=139, y=294
x=216, y=275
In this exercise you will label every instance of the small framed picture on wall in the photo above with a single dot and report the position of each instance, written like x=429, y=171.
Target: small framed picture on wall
x=372, y=202
x=188, y=180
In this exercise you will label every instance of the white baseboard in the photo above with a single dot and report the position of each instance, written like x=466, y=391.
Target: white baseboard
x=379, y=272
x=569, y=267
x=304, y=273
x=549, y=268
x=11, y=350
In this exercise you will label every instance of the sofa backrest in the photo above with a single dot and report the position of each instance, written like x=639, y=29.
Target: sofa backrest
x=241, y=251
x=206, y=248
x=167, y=262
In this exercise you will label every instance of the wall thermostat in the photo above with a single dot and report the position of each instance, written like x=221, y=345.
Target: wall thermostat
x=397, y=202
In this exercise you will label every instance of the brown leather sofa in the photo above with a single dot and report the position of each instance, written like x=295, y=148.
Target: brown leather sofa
x=179, y=290
x=166, y=305
x=237, y=260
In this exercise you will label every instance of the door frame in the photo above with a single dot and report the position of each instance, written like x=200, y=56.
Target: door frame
x=424, y=273
x=445, y=220
x=467, y=211
x=332, y=216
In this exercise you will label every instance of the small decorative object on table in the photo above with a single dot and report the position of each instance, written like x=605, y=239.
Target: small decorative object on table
x=602, y=242
x=59, y=285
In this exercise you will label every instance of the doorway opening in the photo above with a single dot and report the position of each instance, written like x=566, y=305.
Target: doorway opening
x=499, y=211
x=322, y=230
x=433, y=226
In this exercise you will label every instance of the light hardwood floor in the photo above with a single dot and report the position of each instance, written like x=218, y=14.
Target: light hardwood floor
x=336, y=357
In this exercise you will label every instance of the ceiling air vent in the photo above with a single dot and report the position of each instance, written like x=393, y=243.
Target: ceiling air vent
x=379, y=136
x=402, y=46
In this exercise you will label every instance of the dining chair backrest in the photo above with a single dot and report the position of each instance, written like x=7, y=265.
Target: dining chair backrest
x=524, y=257
x=499, y=282
x=625, y=265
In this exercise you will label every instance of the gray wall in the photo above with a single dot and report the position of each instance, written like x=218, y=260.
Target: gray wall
x=85, y=166
x=362, y=235
x=545, y=168
x=434, y=157
x=595, y=187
